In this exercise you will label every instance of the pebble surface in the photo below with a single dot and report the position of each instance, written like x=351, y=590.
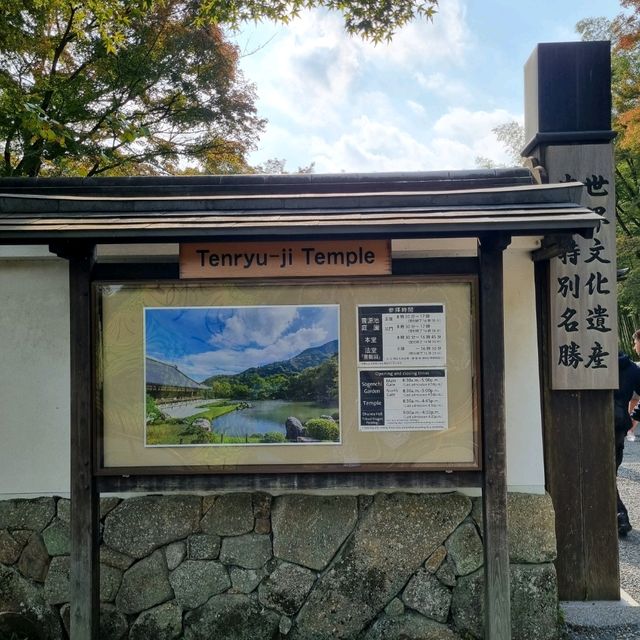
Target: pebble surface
x=623, y=632
x=629, y=488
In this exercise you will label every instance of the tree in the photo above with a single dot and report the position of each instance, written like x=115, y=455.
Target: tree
x=624, y=32
x=221, y=389
x=511, y=135
x=73, y=102
x=625, y=83
x=625, y=94
x=142, y=86
x=375, y=20
x=277, y=166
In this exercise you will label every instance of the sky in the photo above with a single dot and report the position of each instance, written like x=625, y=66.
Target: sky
x=225, y=340
x=427, y=101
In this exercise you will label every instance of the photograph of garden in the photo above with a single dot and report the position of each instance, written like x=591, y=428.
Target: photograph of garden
x=242, y=375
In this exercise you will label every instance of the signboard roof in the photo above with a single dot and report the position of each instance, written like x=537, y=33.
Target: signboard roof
x=450, y=204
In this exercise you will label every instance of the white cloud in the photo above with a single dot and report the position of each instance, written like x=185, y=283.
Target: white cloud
x=463, y=124
x=423, y=44
x=255, y=325
x=454, y=142
x=443, y=85
x=310, y=72
x=229, y=360
x=307, y=71
x=255, y=336
x=348, y=105
x=370, y=146
x=417, y=108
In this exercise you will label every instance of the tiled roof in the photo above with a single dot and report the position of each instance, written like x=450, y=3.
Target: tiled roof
x=168, y=375
x=448, y=204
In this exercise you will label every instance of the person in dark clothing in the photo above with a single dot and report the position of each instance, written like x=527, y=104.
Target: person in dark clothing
x=629, y=383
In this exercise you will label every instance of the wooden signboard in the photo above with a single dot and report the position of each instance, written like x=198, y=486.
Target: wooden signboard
x=285, y=259
x=297, y=375
x=584, y=336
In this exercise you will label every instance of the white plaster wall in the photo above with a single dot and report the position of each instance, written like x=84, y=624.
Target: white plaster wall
x=525, y=457
x=34, y=376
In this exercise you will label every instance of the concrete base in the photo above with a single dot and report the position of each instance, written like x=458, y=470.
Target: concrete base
x=604, y=613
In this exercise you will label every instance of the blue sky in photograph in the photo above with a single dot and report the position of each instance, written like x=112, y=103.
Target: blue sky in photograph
x=427, y=101
x=225, y=340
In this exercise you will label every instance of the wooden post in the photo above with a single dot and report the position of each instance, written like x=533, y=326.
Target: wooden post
x=568, y=129
x=85, y=577
x=580, y=473
x=497, y=608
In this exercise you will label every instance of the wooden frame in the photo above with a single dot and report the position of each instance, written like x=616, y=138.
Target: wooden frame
x=319, y=465
x=87, y=483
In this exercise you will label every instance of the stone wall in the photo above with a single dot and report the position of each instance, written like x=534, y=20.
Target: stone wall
x=300, y=567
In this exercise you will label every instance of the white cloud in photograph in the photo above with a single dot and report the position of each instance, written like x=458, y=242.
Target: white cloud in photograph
x=255, y=325
x=245, y=337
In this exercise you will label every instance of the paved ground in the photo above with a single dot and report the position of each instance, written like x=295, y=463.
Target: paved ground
x=617, y=621
x=629, y=487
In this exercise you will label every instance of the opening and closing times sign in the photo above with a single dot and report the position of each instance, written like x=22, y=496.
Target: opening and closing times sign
x=402, y=376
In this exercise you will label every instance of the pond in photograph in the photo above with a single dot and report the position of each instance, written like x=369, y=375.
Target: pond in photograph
x=268, y=415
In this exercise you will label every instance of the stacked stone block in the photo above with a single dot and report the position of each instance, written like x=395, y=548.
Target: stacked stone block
x=251, y=566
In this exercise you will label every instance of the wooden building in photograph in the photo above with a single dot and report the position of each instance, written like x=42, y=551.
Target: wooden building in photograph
x=166, y=382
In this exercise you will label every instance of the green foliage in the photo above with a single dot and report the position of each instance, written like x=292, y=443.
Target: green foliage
x=376, y=20
x=277, y=166
x=625, y=91
x=625, y=80
x=197, y=435
x=322, y=429
x=318, y=384
x=591, y=29
x=273, y=437
x=122, y=87
x=221, y=388
x=250, y=387
x=314, y=383
x=185, y=434
x=511, y=135
x=628, y=247
x=115, y=87
x=624, y=33
x=152, y=411
x=214, y=410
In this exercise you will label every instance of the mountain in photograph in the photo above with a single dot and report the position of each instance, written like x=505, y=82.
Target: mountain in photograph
x=311, y=357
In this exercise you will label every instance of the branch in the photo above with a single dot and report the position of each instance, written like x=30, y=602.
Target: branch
x=7, y=147
x=67, y=37
x=619, y=211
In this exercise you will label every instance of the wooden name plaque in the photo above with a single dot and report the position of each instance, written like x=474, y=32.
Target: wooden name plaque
x=285, y=259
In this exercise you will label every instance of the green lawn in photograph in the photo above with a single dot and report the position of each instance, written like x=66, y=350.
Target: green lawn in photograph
x=165, y=433
x=180, y=431
x=214, y=410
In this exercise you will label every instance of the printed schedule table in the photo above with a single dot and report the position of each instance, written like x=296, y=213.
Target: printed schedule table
x=399, y=400
x=402, y=367
x=405, y=335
